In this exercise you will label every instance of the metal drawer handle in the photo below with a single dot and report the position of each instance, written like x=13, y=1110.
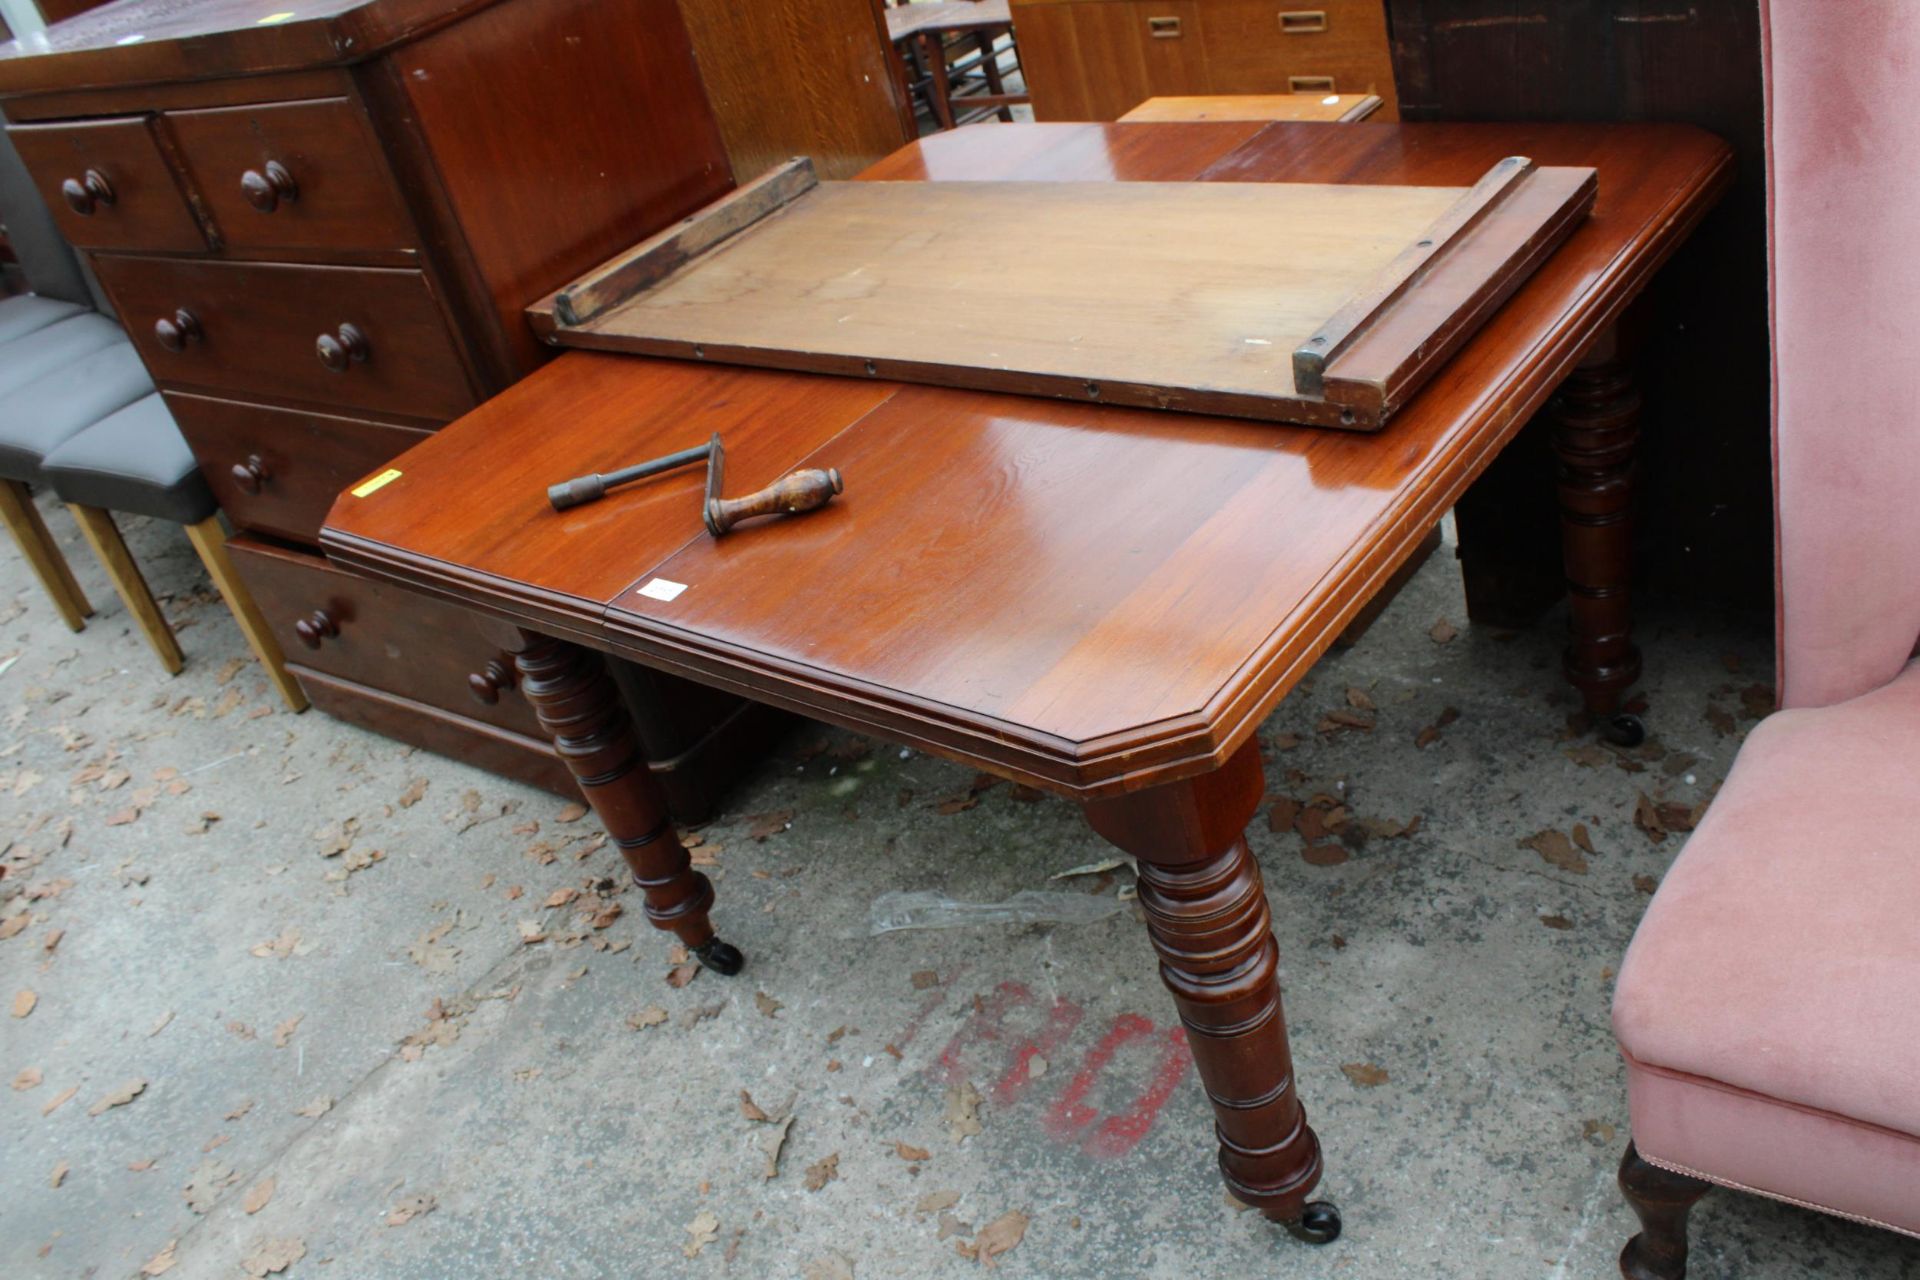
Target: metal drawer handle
x=1302, y=22
x=252, y=474
x=178, y=331
x=266, y=188
x=487, y=683
x=87, y=192
x=1163, y=28
x=340, y=351
x=317, y=626
x=1310, y=84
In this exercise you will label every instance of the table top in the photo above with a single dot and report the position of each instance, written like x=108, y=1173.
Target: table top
x=1088, y=598
x=1331, y=108
x=946, y=15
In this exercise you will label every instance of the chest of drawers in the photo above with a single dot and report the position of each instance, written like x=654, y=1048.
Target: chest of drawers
x=1099, y=59
x=320, y=229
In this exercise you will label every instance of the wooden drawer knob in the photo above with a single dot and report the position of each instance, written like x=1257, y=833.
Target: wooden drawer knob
x=486, y=683
x=315, y=628
x=339, y=351
x=267, y=186
x=251, y=474
x=178, y=331
x=87, y=192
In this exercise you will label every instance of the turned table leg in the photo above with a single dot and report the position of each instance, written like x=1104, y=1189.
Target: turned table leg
x=1661, y=1199
x=1207, y=916
x=579, y=705
x=1596, y=418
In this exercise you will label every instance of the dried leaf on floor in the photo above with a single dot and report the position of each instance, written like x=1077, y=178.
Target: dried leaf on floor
x=1285, y=741
x=414, y=1206
x=416, y=792
x=832, y=1267
x=29, y=1078
x=766, y=1004
x=162, y=1262
x=997, y=1237
x=936, y=1202
x=430, y=953
x=59, y=1100
x=204, y=1184
x=59, y=1174
x=651, y=1016
x=1283, y=815
x=705, y=1229
x=1556, y=922
x=283, y=1033
x=771, y=1142
x=963, y=1111
x=1365, y=1075
x=1582, y=838
x=240, y=1111
x=823, y=1171
x=956, y=804
x=1598, y=1132
x=317, y=1108
x=23, y=1003
x=906, y=1152
x=119, y=1097
x=257, y=1196
x=571, y=813
x=1324, y=855
x=763, y=825
x=1360, y=700
x=278, y=948
x=1442, y=632
x=1345, y=718
x=270, y=1257
x=1557, y=850
x=1646, y=884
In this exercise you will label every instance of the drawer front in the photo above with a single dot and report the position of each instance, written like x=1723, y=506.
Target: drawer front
x=293, y=175
x=353, y=337
x=508, y=754
x=279, y=470
x=1282, y=46
x=379, y=635
x=108, y=184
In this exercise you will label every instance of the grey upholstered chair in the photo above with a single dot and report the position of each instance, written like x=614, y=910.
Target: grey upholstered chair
x=78, y=411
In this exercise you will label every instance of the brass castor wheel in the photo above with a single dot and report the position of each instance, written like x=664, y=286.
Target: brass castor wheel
x=1319, y=1223
x=722, y=957
x=1625, y=730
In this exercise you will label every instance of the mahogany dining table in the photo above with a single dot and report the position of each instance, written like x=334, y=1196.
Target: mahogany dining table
x=1098, y=601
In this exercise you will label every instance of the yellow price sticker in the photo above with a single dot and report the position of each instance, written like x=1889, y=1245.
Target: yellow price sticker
x=379, y=482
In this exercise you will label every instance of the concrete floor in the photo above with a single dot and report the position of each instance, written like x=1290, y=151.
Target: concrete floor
x=376, y=1065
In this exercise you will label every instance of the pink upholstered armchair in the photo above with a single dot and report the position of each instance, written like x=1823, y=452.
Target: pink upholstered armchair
x=1769, y=1008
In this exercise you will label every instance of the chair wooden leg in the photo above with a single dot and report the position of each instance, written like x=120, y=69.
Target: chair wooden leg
x=107, y=544
x=209, y=538
x=36, y=544
x=1662, y=1200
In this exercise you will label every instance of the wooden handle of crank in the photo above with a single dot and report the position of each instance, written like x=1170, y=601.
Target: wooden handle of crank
x=790, y=495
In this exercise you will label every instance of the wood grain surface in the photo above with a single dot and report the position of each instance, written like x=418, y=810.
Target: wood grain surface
x=1336, y=108
x=1089, y=598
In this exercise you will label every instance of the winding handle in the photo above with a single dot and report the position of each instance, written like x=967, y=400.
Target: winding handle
x=318, y=626
x=791, y=494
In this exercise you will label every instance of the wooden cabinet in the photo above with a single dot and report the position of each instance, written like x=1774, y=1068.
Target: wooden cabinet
x=1098, y=59
x=321, y=233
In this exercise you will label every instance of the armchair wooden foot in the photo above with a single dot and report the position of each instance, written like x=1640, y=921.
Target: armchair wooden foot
x=1662, y=1200
x=1207, y=916
x=579, y=705
x=104, y=537
x=30, y=533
